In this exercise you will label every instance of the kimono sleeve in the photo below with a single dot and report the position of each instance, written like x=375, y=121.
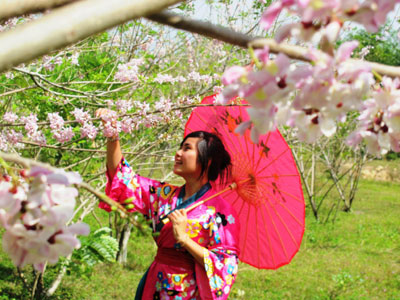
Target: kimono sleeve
x=221, y=256
x=127, y=184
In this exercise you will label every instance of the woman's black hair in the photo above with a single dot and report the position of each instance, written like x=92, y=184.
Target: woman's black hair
x=212, y=156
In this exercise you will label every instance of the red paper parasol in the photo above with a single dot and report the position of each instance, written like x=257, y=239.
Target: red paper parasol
x=269, y=197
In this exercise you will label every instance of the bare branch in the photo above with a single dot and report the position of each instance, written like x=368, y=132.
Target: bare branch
x=178, y=107
x=242, y=40
x=70, y=24
x=203, y=28
x=86, y=149
x=14, y=8
x=18, y=90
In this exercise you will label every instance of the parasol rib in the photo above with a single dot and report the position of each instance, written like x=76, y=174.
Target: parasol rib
x=284, y=224
x=286, y=193
x=244, y=136
x=217, y=117
x=268, y=238
x=272, y=161
x=246, y=231
x=206, y=123
x=273, y=223
x=278, y=176
x=234, y=202
x=276, y=213
x=277, y=232
x=258, y=240
x=279, y=202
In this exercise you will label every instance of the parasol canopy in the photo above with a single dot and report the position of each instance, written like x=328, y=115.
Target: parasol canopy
x=269, y=197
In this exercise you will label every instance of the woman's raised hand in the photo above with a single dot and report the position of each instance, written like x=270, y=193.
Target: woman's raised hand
x=178, y=219
x=102, y=112
x=114, y=154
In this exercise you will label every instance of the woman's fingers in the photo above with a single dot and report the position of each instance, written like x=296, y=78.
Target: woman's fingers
x=177, y=215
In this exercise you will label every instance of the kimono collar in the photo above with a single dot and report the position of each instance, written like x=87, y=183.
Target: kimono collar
x=200, y=193
x=183, y=204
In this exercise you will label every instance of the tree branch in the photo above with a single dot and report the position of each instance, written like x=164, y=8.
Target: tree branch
x=18, y=90
x=15, y=8
x=242, y=40
x=203, y=28
x=182, y=107
x=85, y=149
x=70, y=24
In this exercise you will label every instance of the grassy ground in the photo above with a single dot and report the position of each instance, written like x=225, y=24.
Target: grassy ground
x=357, y=257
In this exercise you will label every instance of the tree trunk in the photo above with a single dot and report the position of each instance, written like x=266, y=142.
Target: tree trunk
x=123, y=243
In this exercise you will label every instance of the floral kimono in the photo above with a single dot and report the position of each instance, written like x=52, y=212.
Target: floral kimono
x=174, y=274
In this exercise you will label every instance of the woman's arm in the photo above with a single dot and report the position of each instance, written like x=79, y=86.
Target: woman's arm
x=178, y=219
x=114, y=154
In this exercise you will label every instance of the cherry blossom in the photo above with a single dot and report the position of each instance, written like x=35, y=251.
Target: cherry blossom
x=50, y=62
x=80, y=115
x=64, y=134
x=56, y=121
x=123, y=105
x=164, y=78
x=74, y=58
x=129, y=72
x=10, y=117
x=3, y=142
x=89, y=130
x=13, y=137
x=321, y=21
x=315, y=97
x=34, y=213
x=128, y=125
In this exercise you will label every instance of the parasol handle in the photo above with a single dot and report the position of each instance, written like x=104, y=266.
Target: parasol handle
x=232, y=186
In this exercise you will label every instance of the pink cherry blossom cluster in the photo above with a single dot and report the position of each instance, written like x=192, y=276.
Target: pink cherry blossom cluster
x=10, y=117
x=130, y=71
x=379, y=122
x=123, y=106
x=80, y=115
x=323, y=19
x=34, y=212
x=74, y=58
x=129, y=125
x=50, y=62
x=111, y=124
x=60, y=133
x=315, y=97
x=32, y=129
x=88, y=129
x=192, y=76
x=12, y=137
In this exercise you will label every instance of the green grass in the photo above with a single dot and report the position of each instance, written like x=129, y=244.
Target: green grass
x=357, y=257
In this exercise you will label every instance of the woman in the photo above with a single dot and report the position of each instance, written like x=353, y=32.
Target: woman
x=197, y=250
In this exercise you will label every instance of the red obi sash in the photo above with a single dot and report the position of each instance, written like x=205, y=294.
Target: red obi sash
x=173, y=257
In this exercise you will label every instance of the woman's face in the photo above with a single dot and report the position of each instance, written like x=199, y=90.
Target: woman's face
x=186, y=163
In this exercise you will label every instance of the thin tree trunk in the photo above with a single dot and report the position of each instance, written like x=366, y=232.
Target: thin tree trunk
x=123, y=243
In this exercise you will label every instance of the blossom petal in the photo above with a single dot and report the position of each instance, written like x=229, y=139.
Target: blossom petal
x=269, y=16
x=345, y=50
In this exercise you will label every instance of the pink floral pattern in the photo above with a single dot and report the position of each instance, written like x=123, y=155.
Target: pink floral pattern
x=212, y=225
